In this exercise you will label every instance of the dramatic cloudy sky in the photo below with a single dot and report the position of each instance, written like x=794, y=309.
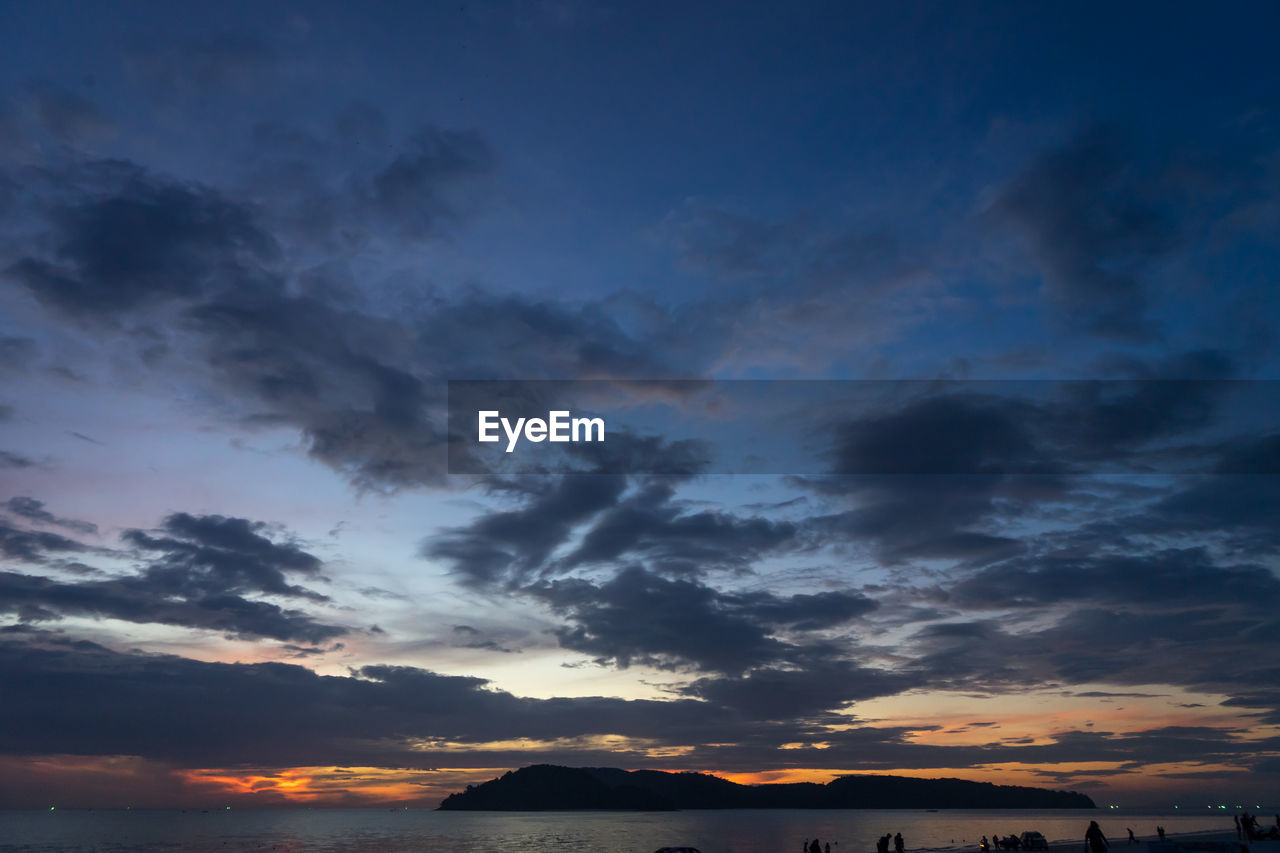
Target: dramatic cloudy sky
x=243, y=246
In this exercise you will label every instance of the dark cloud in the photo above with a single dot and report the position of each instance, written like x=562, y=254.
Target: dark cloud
x=1093, y=226
x=412, y=192
x=1236, y=507
x=1230, y=511
x=473, y=332
x=628, y=452
x=144, y=240
x=1114, y=612
x=213, y=554
x=806, y=611
x=513, y=545
x=199, y=276
x=638, y=616
x=1106, y=694
x=302, y=362
x=1260, y=456
x=1102, y=425
x=15, y=460
x=931, y=517
x=1171, y=578
x=368, y=392
x=33, y=510
x=348, y=187
x=365, y=387
x=944, y=470
x=811, y=691
x=208, y=714
x=77, y=698
x=309, y=285
x=652, y=527
x=948, y=434
x=467, y=637
x=197, y=573
x=1119, y=639
x=136, y=599
x=1151, y=422
x=35, y=546
x=929, y=478
x=622, y=525
x=508, y=545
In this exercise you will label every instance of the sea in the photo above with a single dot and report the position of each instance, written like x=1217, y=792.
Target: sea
x=728, y=831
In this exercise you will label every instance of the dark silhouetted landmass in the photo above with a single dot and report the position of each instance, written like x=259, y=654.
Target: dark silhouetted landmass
x=547, y=787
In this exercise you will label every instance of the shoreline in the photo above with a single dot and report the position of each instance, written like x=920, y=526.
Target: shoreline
x=1066, y=845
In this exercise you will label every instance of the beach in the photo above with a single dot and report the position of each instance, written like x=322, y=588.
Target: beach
x=719, y=831
x=1189, y=841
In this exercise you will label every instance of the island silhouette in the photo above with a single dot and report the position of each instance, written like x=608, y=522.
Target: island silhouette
x=550, y=787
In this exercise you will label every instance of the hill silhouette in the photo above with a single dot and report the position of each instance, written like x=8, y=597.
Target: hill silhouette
x=549, y=787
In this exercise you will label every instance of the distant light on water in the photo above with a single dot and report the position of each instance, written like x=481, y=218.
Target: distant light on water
x=426, y=829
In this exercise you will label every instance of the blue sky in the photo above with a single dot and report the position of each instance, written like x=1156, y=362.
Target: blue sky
x=244, y=247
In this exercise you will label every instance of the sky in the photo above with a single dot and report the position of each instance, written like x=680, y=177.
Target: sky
x=244, y=248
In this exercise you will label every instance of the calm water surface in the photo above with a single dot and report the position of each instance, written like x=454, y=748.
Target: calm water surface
x=381, y=831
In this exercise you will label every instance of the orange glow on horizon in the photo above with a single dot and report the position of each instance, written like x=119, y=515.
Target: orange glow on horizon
x=345, y=786
x=117, y=781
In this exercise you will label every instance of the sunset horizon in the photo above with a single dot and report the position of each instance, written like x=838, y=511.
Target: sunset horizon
x=398, y=395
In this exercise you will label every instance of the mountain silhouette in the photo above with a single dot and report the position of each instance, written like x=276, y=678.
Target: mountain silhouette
x=550, y=787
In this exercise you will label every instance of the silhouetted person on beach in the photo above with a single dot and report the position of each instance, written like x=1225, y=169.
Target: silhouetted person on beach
x=1095, y=841
x=1133, y=839
x=1160, y=832
x=815, y=847
x=826, y=848
x=1239, y=830
x=898, y=844
x=984, y=846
